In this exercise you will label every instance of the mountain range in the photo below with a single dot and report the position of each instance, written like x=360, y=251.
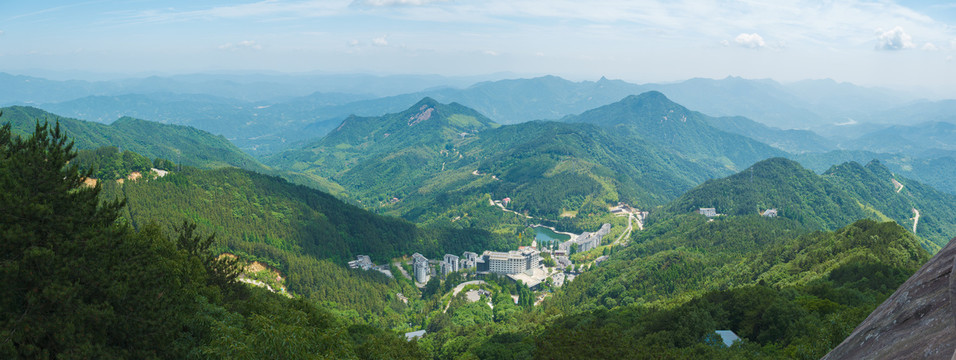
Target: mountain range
x=180, y=144
x=809, y=104
x=448, y=176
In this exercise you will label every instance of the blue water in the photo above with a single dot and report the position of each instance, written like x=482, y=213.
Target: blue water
x=544, y=235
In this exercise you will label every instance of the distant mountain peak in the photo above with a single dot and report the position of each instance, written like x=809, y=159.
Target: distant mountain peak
x=425, y=101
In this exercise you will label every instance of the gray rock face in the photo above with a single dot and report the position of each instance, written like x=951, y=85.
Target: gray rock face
x=916, y=322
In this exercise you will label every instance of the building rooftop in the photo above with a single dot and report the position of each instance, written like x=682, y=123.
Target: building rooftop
x=409, y=336
x=537, y=276
x=728, y=337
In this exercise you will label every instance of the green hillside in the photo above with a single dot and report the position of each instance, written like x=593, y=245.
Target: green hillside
x=254, y=213
x=931, y=168
x=307, y=235
x=427, y=127
x=651, y=116
x=438, y=163
x=787, y=292
x=78, y=283
x=180, y=144
x=875, y=184
x=796, y=297
x=795, y=192
x=842, y=195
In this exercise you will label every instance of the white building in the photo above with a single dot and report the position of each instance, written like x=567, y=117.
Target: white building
x=421, y=268
x=363, y=262
x=446, y=268
x=513, y=262
x=422, y=271
x=452, y=261
x=708, y=212
x=586, y=241
x=468, y=260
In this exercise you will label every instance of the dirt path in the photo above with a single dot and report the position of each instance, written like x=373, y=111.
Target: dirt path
x=915, y=219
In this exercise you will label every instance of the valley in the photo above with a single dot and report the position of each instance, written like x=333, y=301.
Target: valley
x=637, y=219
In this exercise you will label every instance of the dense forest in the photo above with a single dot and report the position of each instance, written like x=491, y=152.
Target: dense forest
x=787, y=292
x=440, y=158
x=117, y=306
x=427, y=180
x=842, y=195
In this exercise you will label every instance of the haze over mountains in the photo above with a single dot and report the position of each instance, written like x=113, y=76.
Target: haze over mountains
x=819, y=105
x=473, y=168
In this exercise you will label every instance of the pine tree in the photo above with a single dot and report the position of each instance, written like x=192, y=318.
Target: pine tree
x=73, y=282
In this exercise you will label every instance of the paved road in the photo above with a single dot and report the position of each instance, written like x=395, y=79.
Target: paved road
x=915, y=219
x=628, y=230
x=462, y=286
x=459, y=288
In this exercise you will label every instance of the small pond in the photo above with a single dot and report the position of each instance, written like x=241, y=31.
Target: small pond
x=545, y=235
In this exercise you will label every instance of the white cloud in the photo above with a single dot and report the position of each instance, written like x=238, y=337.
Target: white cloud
x=393, y=2
x=929, y=47
x=491, y=52
x=1, y=32
x=894, y=39
x=380, y=41
x=245, y=44
x=753, y=41
x=353, y=43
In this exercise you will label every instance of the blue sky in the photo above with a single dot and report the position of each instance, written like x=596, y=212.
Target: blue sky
x=909, y=44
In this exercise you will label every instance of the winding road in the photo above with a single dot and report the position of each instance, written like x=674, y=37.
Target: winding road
x=915, y=219
x=458, y=290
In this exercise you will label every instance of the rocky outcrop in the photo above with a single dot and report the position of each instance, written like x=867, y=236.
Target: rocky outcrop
x=916, y=322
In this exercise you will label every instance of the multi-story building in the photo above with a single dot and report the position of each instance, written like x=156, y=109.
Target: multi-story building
x=586, y=241
x=524, y=260
x=708, y=212
x=452, y=261
x=421, y=268
x=422, y=271
x=446, y=268
x=468, y=260
x=363, y=262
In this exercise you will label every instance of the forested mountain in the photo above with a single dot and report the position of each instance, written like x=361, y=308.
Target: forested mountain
x=842, y=195
x=652, y=117
x=180, y=144
x=262, y=117
x=436, y=161
x=902, y=199
x=788, y=293
x=78, y=283
x=935, y=169
x=440, y=178
x=305, y=234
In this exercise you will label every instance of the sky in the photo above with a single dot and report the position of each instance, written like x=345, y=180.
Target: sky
x=895, y=44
